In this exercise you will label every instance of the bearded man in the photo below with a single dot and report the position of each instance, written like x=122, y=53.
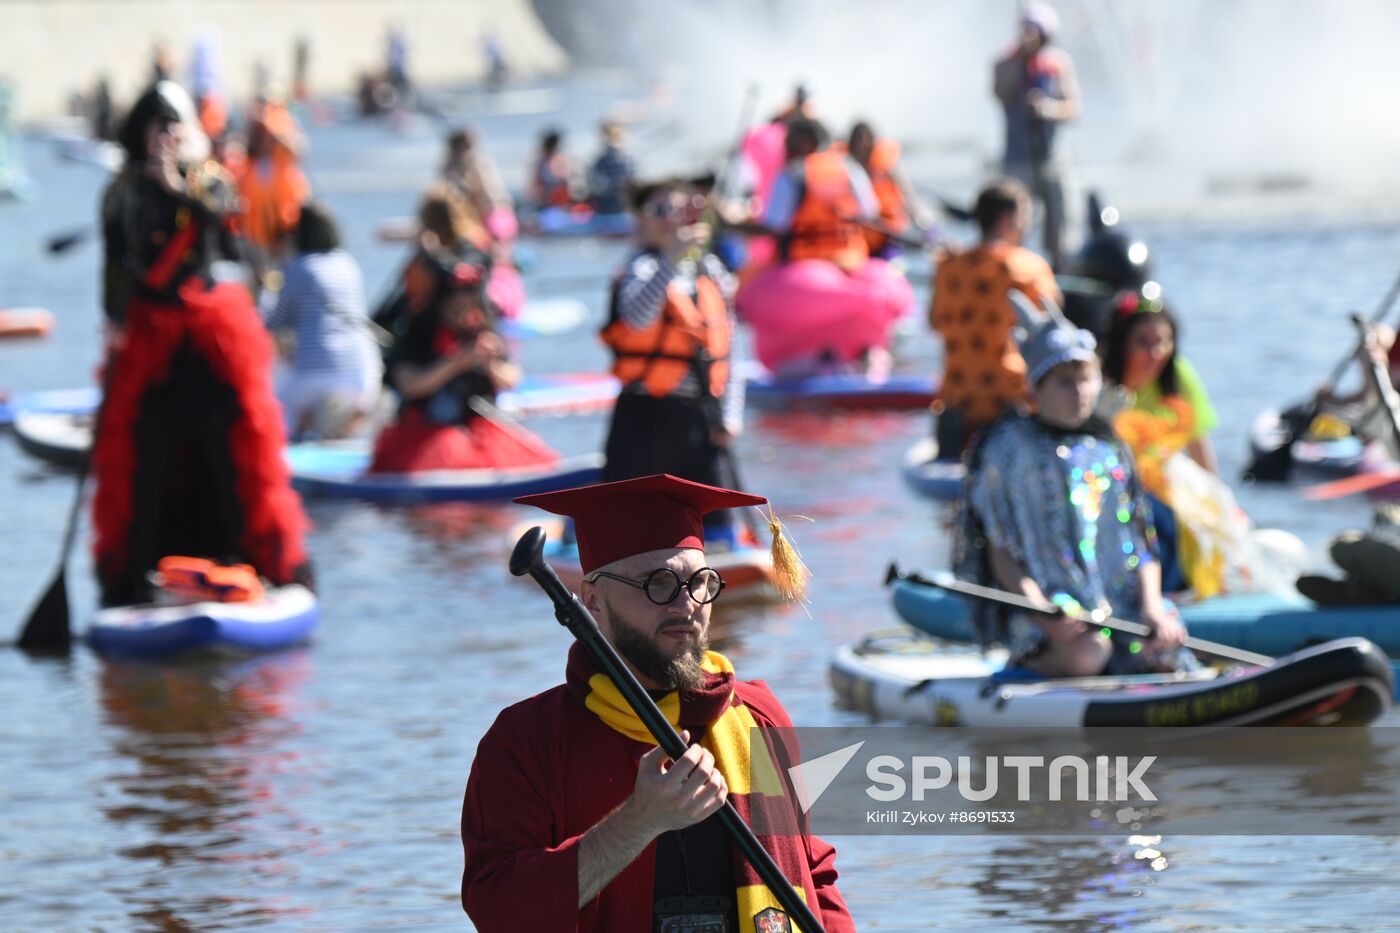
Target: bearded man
x=574, y=819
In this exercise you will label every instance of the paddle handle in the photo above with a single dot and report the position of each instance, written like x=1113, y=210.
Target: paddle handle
x=891, y=235
x=528, y=558
x=1015, y=601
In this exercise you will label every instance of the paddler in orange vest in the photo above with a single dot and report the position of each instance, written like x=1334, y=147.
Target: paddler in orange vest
x=899, y=205
x=271, y=184
x=984, y=375
x=818, y=199
x=669, y=329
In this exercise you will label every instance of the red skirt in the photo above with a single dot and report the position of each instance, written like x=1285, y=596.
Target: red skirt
x=189, y=400
x=413, y=444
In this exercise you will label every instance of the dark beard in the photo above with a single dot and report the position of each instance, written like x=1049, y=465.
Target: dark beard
x=679, y=673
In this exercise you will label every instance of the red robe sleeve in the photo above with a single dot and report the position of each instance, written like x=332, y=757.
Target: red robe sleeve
x=517, y=875
x=821, y=856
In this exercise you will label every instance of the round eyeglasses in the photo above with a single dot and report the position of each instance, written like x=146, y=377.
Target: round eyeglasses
x=663, y=584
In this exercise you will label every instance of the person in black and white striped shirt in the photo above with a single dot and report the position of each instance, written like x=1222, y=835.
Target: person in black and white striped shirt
x=670, y=328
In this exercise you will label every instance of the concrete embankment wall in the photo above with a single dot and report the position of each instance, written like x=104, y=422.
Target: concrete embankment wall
x=52, y=48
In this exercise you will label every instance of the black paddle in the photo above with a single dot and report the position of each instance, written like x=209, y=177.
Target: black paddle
x=884, y=230
x=66, y=241
x=571, y=613
x=1015, y=601
x=48, y=629
x=1273, y=466
x=953, y=210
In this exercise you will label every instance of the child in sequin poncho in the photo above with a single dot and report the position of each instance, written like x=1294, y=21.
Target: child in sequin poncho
x=1053, y=511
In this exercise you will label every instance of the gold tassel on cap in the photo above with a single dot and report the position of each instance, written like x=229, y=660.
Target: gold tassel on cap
x=790, y=574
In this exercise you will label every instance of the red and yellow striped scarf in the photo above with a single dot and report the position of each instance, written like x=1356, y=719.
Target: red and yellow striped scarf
x=715, y=712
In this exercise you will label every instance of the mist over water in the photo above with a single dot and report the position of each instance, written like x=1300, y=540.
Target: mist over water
x=1186, y=103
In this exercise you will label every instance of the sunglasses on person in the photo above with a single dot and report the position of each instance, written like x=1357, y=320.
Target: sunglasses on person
x=663, y=584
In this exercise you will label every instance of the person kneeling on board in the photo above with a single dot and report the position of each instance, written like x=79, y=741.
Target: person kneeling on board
x=447, y=368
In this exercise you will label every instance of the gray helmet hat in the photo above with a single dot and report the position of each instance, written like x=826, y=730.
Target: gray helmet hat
x=1047, y=339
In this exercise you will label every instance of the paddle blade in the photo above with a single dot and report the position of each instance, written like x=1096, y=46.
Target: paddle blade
x=48, y=630
x=1272, y=466
x=61, y=244
x=1350, y=485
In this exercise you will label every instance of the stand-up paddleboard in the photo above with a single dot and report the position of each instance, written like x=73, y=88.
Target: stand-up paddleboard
x=337, y=469
x=49, y=401
x=900, y=676
x=25, y=322
x=930, y=477
x=285, y=616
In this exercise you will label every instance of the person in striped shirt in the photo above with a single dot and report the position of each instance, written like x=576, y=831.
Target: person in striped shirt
x=670, y=327
x=333, y=383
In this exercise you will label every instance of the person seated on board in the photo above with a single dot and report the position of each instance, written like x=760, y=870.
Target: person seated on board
x=826, y=306
x=1370, y=561
x=336, y=368
x=1054, y=511
x=187, y=449
x=551, y=177
x=447, y=368
x=983, y=373
x=612, y=173
x=819, y=200
x=470, y=171
x=670, y=328
x=900, y=207
x=1338, y=414
x=450, y=231
x=1162, y=409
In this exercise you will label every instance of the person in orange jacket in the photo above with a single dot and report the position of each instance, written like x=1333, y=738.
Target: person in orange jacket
x=900, y=208
x=271, y=183
x=818, y=199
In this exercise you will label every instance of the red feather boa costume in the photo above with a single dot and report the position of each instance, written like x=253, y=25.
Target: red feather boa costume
x=221, y=329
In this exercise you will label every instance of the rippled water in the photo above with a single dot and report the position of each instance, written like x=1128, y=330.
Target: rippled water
x=320, y=789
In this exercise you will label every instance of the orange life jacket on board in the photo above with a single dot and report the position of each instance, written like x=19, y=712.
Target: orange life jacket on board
x=819, y=228
x=660, y=356
x=198, y=580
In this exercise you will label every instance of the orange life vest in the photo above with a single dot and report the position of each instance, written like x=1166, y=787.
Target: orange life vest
x=272, y=204
x=819, y=228
x=199, y=580
x=660, y=356
x=883, y=159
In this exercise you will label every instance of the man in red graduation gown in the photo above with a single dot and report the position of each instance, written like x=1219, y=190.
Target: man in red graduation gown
x=573, y=818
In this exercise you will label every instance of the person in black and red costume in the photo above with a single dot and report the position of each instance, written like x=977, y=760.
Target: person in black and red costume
x=188, y=449
x=447, y=368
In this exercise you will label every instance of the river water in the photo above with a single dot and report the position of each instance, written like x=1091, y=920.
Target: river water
x=319, y=789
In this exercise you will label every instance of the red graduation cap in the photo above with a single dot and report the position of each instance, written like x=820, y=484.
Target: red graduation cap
x=617, y=520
